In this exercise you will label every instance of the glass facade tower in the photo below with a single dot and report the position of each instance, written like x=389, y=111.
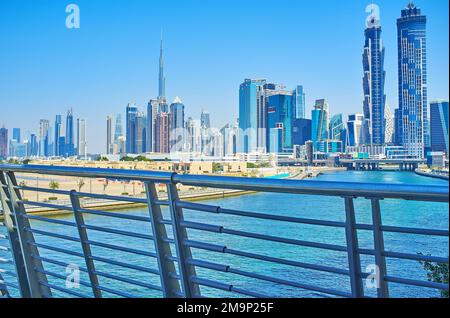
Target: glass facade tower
x=439, y=126
x=412, y=80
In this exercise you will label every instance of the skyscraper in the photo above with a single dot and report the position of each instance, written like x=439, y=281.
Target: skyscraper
x=56, y=140
x=3, y=143
x=81, y=138
x=44, y=125
x=373, y=82
x=280, y=116
x=252, y=115
x=300, y=102
x=131, y=114
x=152, y=111
x=162, y=132
x=354, y=129
x=109, y=135
x=389, y=124
x=439, y=126
x=176, y=125
x=205, y=120
x=412, y=80
x=70, y=142
x=398, y=127
x=320, y=121
x=16, y=135
x=141, y=134
x=301, y=131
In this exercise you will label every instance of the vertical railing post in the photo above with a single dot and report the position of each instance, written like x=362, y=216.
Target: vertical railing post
x=354, y=262
x=170, y=285
x=85, y=244
x=26, y=255
x=378, y=239
x=183, y=252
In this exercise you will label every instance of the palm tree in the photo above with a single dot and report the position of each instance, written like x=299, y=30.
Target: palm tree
x=53, y=185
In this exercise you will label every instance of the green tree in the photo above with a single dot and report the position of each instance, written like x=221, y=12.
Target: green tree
x=53, y=185
x=102, y=158
x=251, y=165
x=216, y=167
x=437, y=273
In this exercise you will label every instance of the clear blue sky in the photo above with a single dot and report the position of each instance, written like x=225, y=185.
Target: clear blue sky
x=210, y=45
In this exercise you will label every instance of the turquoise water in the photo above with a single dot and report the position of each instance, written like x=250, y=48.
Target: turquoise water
x=394, y=212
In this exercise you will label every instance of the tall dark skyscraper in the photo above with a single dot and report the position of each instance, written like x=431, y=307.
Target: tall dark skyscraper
x=373, y=82
x=412, y=80
x=3, y=143
x=131, y=114
x=176, y=125
x=56, y=144
x=70, y=140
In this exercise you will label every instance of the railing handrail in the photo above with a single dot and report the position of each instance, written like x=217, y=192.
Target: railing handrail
x=314, y=187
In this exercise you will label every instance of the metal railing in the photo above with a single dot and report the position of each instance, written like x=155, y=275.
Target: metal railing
x=177, y=254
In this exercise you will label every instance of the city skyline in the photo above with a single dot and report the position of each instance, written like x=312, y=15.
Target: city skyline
x=223, y=116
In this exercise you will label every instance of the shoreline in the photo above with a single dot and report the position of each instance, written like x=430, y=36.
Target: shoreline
x=431, y=175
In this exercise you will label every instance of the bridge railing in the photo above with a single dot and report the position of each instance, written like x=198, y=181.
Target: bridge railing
x=178, y=248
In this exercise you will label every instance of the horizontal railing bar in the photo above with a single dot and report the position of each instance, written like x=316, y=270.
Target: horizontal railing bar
x=49, y=220
x=121, y=248
x=229, y=269
x=413, y=282
x=327, y=188
x=224, y=249
x=324, y=188
x=110, y=197
x=405, y=230
x=127, y=280
x=119, y=232
x=46, y=272
x=415, y=257
x=112, y=174
x=9, y=284
x=50, y=234
x=121, y=264
x=48, y=205
x=218, y=209
x=45, y=190
x=7, y=272
x=56, y=249
x=225, y=287
x=64, y=290
x=219, y=229
x=116, y=215
x=116, y=292
x=55, y=262
x=6, y=261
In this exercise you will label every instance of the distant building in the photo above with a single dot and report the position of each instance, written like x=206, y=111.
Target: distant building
x=162, y=133
x=81, y=138
x=70, y=140
x=131, y=114
x=56, y=145
x=439, y=126
x=152, y=111
x=389, y=125
x=301, y=131
x=398, y=127
x=354, y=129
x=3, y=143
x=280, y=116
x=109, y=136
x=176, y=125
x=140, y=133
x=252, y=115
x=44, y=126
x=320, y=121
x=412, y=80
x=300, y=102
x=16, y=135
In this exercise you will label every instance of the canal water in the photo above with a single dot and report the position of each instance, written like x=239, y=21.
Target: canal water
x=394, y=212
